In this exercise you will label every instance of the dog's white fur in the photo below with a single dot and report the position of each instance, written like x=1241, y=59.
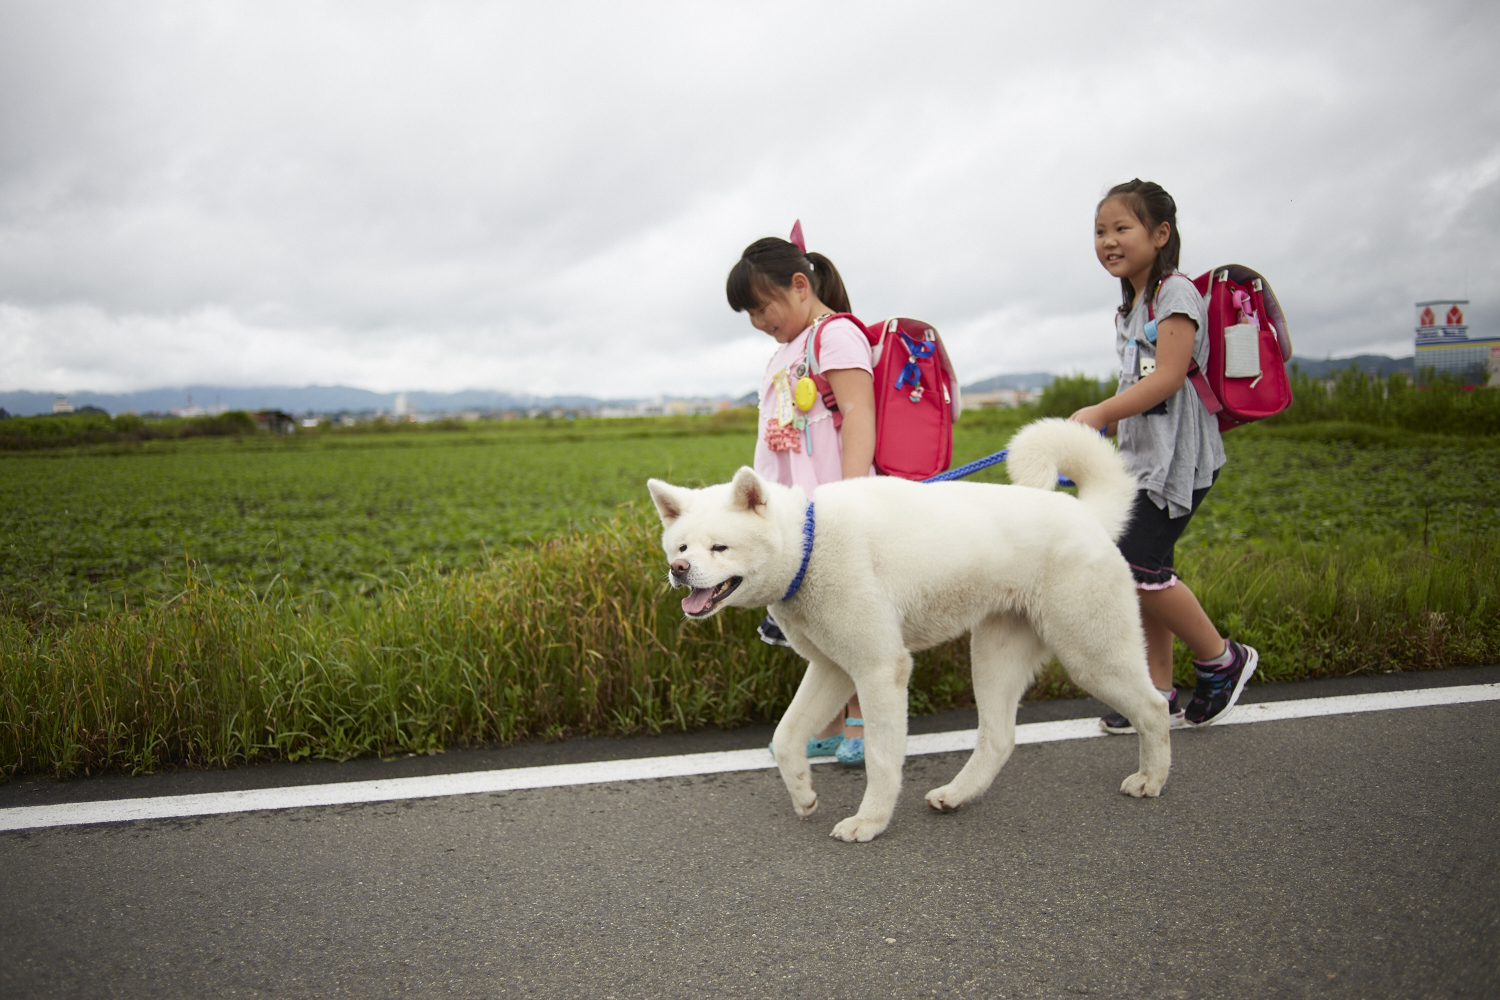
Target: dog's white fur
x=899, y=566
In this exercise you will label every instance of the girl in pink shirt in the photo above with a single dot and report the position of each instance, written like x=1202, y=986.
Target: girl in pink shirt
x=787, y=291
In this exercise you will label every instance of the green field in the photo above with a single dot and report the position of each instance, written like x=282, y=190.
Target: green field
x=84, y=529
x=331, y=512
x=340, y=512
x=213, y=601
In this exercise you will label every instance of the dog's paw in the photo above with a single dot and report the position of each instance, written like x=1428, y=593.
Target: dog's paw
x=944, y=799
x=805, y=806
x=859, y=830
x=1139, y=784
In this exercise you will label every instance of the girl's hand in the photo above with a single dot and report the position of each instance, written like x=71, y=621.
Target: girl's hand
x=1094, y=416
x=1174, y=355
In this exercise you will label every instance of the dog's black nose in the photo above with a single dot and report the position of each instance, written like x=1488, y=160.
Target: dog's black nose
x=680, y=567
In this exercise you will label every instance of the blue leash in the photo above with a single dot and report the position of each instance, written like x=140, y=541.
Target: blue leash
x=983, y=463
x=970, y=469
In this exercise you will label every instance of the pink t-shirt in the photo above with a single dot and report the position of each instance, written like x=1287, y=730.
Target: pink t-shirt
x=791, y=457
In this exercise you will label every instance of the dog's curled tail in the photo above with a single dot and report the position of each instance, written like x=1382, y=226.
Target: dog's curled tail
x=1042, y=450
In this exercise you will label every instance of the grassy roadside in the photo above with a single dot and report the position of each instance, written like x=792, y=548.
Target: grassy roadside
x=410, y=603
x=580, y=635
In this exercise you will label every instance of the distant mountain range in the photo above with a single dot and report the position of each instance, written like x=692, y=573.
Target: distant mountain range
x=1034, y=380
x=342, y=398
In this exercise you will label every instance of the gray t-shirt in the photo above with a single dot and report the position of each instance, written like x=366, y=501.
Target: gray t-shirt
x=1175, y=452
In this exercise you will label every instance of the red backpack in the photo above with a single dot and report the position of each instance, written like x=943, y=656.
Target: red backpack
x=1248, y=347
x=916, y=395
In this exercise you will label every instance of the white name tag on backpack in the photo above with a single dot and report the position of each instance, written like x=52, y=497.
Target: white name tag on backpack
x=1241, y=351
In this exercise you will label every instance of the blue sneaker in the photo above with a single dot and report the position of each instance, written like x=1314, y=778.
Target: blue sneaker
x=1219, y=688
x=1115, y=722
x=770, y=633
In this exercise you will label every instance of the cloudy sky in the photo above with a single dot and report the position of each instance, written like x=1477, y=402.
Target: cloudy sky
x=547, y=197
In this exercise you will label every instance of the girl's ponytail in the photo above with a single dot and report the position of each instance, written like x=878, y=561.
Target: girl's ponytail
x=770, y=263
x=827, y=284
x=1151, y=204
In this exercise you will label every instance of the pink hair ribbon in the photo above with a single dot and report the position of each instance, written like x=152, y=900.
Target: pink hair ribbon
x=796, y=237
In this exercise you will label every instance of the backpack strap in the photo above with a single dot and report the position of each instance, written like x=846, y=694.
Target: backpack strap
x=1195, y=375
x=1205, y=391
x=815, y=366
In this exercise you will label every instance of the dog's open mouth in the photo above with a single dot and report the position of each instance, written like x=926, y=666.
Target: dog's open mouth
x=703, y=601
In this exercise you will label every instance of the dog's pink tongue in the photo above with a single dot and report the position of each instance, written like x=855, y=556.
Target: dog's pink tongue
x=697, y=600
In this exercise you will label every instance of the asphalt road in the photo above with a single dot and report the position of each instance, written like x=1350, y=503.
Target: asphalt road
x=1347, y=856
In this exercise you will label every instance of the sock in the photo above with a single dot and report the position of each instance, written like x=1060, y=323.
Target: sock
x=1166, y=692
x=1222, y=660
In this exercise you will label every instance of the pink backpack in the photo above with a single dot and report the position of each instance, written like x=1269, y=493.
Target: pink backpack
x=916, y=395
x=1248, y=347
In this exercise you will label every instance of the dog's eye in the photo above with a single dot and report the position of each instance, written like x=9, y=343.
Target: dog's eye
x=720, y=548
x=682, y=548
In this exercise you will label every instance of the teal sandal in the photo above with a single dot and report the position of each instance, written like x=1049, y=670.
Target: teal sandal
x=852, y=750
x=826, y=747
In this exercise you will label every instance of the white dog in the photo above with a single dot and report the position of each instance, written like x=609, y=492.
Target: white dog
x=881, y=567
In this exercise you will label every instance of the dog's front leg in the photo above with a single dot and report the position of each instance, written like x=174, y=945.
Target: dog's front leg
x=883, y=702
x=823, y=691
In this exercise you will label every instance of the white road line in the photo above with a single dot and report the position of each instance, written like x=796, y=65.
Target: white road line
x=556, y=775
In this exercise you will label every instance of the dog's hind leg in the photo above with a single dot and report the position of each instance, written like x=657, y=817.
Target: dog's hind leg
x=1110, y=664
x=823, y=691
x=1006, y=655
x=1131, y=692
x=883, y=703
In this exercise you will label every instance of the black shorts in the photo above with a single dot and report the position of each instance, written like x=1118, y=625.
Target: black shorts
x=1150, y=541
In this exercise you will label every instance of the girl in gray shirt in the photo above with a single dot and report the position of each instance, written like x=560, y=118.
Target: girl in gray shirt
x=1169, y=441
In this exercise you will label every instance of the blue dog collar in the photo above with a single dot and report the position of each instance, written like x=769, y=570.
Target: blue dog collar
x=807, y=544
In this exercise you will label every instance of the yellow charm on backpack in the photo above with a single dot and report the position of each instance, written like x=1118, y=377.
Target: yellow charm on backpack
x=807, y=394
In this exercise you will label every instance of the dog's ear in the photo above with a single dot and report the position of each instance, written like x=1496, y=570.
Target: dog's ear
x=670, y=500
x=747, y=491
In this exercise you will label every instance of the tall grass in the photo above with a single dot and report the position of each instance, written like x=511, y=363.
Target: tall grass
x=1442, y=406
x=65, y=430
x=581, y=635
x=1369, y=604
x=578, y=635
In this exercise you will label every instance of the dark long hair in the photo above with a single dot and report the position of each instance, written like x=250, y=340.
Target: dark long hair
x=770, y=263
x=1151, y=204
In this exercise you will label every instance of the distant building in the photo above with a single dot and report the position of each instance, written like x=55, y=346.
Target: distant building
x=188, y=410
x=403, y=409
x=1444, y=345
x=662, y=406
x=275, y=421
x=61, y=405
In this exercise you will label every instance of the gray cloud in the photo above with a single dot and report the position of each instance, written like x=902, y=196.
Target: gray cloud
x=546, y=199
